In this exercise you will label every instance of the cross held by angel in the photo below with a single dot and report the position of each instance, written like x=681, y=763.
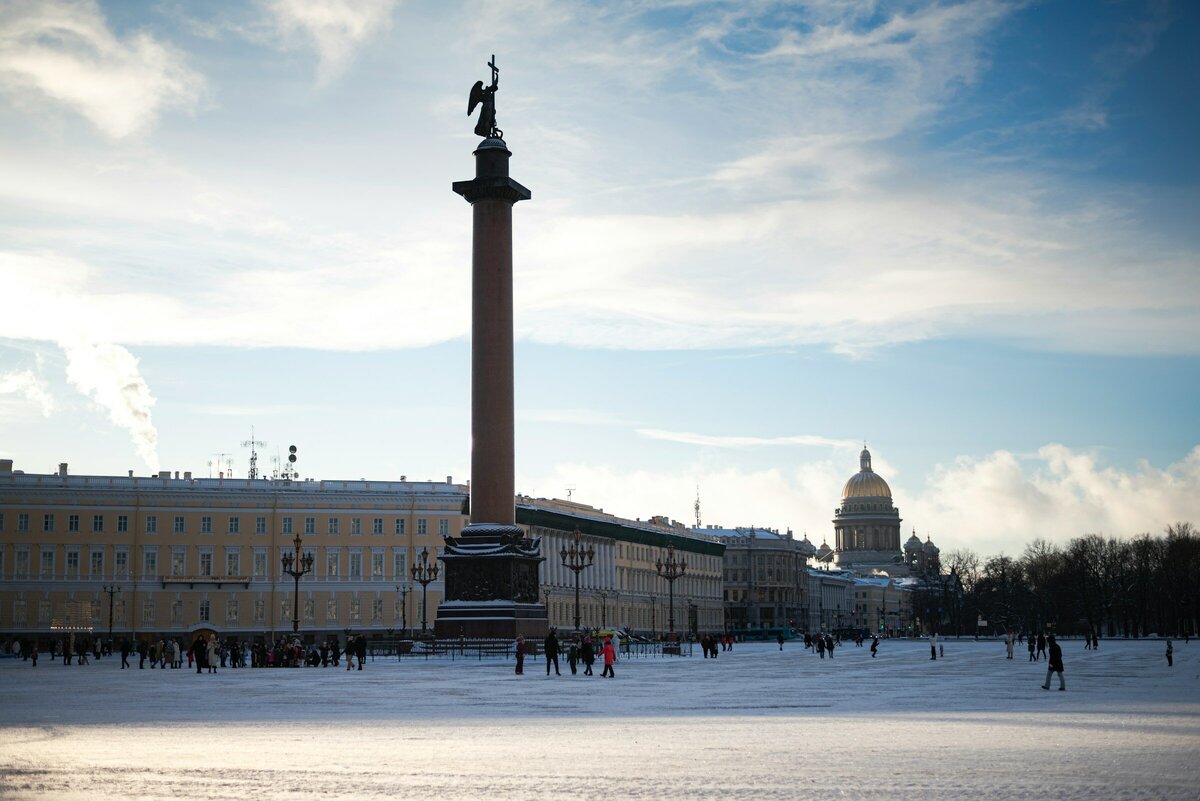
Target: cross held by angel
x=485, y=96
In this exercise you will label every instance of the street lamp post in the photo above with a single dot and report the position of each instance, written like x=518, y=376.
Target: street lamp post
x=424, y=574
x=670, y=570
x=111, y=589
x=603, y=609
x=403, y=590
x=296, y=565
x=577, y=558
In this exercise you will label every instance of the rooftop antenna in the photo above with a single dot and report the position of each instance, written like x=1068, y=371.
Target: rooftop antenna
x=697, y=507
x=222, y=460
x=253, y=444
x=570, y=487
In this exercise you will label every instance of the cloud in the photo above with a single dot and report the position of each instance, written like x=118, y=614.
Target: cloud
x=334, y=28
x=109, y=375
x=737, y=442
x=66, y=52
x=991, y=503
x=30, y=386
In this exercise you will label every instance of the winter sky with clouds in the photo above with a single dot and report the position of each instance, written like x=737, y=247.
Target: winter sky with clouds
x=761, y=233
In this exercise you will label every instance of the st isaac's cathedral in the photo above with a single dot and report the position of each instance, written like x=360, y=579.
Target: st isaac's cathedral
x=867, y=531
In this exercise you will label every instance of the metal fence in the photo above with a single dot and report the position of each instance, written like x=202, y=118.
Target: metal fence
x=479, y=650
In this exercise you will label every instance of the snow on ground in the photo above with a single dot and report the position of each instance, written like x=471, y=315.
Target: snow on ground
x=754, y=723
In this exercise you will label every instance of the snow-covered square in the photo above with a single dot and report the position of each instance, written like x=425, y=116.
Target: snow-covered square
x=756, y=722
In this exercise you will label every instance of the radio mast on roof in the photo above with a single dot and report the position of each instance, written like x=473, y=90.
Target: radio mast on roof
x=697, y=507
x=253, y=444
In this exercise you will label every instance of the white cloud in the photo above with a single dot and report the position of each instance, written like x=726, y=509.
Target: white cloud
x=66, y=52
x=109, y=375
x=28, y=385
x=991, y=503
x=336, y=29
x=738, y=442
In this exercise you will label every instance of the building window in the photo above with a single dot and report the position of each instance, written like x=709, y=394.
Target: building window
x=150, y=562
x=22, y=567
x=206, y=525
x=235, y=525
x=48, y=522
x=310, y=525
x=72, y=522
x=151, y=524
x=121, y=564
x=178, y=561
x=377, y=525
x=22, y=521
x=309, y=609
x=260, y=611
x=177, y=612
x=73, y=563
x=47, y=566
x=377, y=610
x=233, y=563
x=399, y=525
x=97, y=563
x=355, y=610
x=333, y=525
x=356, y=525
x=44, y=612
x=355, y=565
x=377, y=565
x=287, y=525
x=260, y=525
x=206, y=563
x=231, y=610
x=205, y=611
x=18, y=613
x=122, y=524
x=285, y=610
x=444, y=527
x=331, y=563
x=147, y=613
x=331, y=614
x=422, y=529
x=177, y=527
x=119, y=611
x=260, y=564
x=400, y=564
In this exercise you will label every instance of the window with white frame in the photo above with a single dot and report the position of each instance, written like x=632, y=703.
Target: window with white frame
x=377, y=610
x=235, y=525
x=151, y=524
x=206, y=524
x=44, y=612
x=260, y=610
x=356, y=565
x=310, y=525
x=205, y=611
x=331, y=613
x=422, y=527
x=400, y=525
x=444, y=526
x=309, y=609
x=231, y=610
x=331, y=562
x=72, y=522
x=287, y=525
x=176, y=612
x=96, y=560
x=400, y=564
x=377, y=565
x=122, y=524
x=260, y=563
x=46, y=567
x=19, y=612
x=233, y=561
x=72, y=563
x=21, y=566
x=22, y=521
x=355, y=610
x=333, y=526
x=206, y=561
x=179, y=561
x=356, y=525
x=149, y=562
x=260, y=525
x=147, y=613
x=48, y=521
x=177, y=526
x=377, y=525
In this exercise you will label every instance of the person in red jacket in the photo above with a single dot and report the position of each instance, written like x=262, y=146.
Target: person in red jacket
x=610, y=655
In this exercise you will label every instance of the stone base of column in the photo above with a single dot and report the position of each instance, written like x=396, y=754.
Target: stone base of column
x=491, y=574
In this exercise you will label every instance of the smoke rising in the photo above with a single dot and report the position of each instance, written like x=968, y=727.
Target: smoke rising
x=108, y=374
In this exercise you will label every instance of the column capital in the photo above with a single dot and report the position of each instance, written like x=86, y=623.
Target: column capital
x=491, y=188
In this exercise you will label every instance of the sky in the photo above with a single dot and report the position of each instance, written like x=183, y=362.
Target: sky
x=761, y=235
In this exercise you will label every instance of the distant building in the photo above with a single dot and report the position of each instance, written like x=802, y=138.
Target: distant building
x=764, y=577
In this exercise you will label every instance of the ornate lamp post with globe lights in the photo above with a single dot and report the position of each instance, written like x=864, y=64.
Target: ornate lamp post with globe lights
x=424, y=574
x=296, y=565
x=670, y=570
x=577, y=558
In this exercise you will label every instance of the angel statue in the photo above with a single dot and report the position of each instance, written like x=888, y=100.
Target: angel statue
x=486, y=95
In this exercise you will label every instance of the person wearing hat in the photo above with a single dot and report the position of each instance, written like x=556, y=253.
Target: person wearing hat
x=1055, y=665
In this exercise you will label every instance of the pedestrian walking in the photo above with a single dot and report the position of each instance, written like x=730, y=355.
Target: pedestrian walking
x=33, y=652
x=610, y=655
x=572, y=656
x=520, y=648
x=551, y=646
x=351, y=647
x=820, y=645
x=1041, y=646
x=874, y=646
x=1032, y=647
x=143, y=650
x=1170, y=654
x=588, y=653
x=829, y=645
x=779, y=637
x=932, y=646
x=1055, y=666
x=1008, y=643
x=360, y=650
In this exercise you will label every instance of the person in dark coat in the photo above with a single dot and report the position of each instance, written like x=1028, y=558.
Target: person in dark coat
x=572, y=657
x=520, y=654
x=874, y=646
x=1170, y=654
x=199, y=652
x=551, y=645
x=779, y=638
x=1041, y=646
x=588, y=653
x=829, y=645
x=143, y=650
x=360, y=650
x=1056, y=664
x=124, y=653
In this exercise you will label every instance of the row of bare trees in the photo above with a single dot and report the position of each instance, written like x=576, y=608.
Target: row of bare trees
x=1108, y=586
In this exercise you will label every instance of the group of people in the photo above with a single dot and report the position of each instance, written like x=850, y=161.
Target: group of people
x=582, y=651
x=711, y=644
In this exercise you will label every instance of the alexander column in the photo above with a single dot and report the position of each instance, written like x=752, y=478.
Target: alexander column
x=492, y=568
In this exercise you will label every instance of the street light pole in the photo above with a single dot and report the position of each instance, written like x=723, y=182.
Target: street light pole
x=670, y=570
x=111, y=589
x=424, y=573
x=403, y=590
x=296, y=565
x=603, y=609
x=577, y=558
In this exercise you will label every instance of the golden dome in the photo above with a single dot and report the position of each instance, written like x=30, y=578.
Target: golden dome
x=866, y=483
